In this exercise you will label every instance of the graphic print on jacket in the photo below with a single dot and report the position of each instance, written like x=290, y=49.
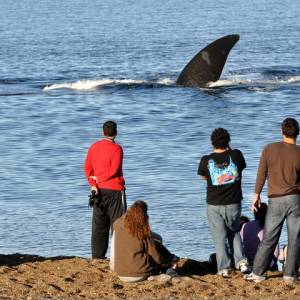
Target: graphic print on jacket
x=223, y=173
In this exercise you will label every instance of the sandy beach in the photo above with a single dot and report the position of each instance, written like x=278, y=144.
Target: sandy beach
x=36, y=277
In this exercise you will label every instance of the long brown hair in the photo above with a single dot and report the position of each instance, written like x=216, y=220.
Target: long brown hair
x=136, y=220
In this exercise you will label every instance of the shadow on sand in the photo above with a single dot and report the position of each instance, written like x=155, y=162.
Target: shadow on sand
x=16, y=259
x=186, y=266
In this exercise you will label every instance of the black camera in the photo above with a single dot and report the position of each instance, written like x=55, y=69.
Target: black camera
x=94, y=199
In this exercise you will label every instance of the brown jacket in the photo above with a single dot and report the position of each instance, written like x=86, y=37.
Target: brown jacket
x=280, y=164
x=134, y=258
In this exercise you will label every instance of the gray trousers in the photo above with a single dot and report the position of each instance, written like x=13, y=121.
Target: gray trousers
x=280, y=209
x=224, y=222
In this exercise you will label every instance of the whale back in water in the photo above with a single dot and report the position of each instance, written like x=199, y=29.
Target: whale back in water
x=207, y=65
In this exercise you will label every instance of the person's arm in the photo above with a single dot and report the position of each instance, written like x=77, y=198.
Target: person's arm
x=89, y=170
x=202, y=169
x=242, y=232
x=256, y=201
x=115, y=166
x=262, y=173
x=261, y=177
x=152, y=251
x=243, y=164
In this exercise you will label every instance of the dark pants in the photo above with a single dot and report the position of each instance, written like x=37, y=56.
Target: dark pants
x=112, y=206
x=167, y=256
x=163, y=251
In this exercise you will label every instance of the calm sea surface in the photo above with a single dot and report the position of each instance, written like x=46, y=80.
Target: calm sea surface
x=68, y=66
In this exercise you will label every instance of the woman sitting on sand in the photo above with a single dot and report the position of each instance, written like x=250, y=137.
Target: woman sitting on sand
x=135, y=253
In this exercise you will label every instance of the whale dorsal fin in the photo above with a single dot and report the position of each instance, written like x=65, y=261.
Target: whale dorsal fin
x=207, y=65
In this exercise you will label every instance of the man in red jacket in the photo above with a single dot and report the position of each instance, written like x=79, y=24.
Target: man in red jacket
x=103, y=169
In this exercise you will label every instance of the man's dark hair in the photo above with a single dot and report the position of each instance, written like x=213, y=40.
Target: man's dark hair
x=220, y=138
x=260, y=214
x=290, y=128
x=110, y=128
x=243, y=220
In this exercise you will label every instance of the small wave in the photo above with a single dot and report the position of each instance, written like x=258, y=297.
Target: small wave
x=280, y=80
x=242, y=81
x=166, y=81
x=90, y=84
x=93, y=84
x=294, y=79
x=228, y=82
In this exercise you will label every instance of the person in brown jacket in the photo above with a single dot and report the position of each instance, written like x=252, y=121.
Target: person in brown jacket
x=280, y=165
x=135, y=253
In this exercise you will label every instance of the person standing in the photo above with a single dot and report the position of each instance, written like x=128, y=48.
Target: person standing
x=280, y=165
x=103, y=169
x=222, y=170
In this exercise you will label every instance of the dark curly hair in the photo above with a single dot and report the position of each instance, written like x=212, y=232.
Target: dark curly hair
x=260, y=214
x=290, y=128
x=220, y=138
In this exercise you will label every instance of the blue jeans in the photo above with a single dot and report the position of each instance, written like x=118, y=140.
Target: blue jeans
x=280, y=209
x=224, y=222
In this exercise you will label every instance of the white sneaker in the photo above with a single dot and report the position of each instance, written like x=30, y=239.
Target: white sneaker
x=224, y=273
x=254, y=278
x=244, y=268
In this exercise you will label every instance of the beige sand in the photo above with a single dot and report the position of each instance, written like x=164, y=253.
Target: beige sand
x=34, y=277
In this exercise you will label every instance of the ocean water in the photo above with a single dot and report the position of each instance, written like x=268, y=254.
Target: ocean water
x=68, y=66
